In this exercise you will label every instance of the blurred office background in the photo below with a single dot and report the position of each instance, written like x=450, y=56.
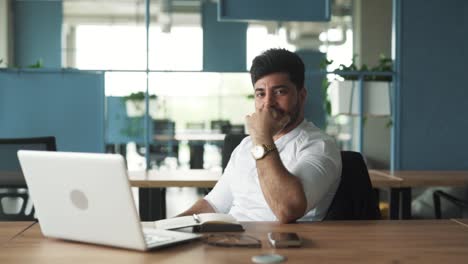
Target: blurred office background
x=81, y=70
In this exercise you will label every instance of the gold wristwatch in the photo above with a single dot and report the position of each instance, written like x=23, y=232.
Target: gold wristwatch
x=260, y=151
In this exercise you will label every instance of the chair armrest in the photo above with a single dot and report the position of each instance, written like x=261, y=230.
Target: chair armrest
x=438, y=194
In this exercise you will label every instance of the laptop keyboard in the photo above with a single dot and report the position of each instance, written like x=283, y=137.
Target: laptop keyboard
x=152, y=239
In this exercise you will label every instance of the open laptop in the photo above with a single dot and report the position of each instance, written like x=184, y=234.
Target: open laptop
x=87, y=197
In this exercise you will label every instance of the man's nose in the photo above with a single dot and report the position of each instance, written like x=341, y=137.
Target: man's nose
x=270, y=100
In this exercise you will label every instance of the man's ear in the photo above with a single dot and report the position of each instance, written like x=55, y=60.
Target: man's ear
x=303, y=94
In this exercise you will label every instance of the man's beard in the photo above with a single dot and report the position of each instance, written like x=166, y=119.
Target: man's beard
x=293, y=115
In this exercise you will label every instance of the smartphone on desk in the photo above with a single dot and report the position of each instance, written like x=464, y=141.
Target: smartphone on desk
x=284, y=239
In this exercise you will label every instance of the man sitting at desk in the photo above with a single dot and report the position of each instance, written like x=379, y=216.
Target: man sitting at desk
x=287, y=169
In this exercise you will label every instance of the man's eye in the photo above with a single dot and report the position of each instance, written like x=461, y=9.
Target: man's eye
x=259, y=94
x=280, y=91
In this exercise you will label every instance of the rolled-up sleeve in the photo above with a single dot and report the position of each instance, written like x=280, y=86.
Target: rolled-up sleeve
x=220, y=197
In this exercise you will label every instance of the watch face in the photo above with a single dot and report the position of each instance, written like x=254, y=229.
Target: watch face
x=258, y=152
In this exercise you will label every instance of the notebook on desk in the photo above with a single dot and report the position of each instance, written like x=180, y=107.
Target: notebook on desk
x=207, y=222
x=87, y=197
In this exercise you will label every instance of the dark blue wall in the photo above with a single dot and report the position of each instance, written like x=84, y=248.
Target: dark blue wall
x=224, y=43
x=314, y=105
x=37, y=32
x=67, y=105
x=120, y=128
x=433, y=94
x=275, y=10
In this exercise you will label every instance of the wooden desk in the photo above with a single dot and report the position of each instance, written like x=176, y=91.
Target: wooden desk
x=463, y=222
x=410, y=179
x=416, y=241
x=10, y=229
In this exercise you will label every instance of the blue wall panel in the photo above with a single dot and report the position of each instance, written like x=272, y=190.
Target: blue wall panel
x=224, y=43
x=69, y=106
x=121, y=129
x=37, y=32
x=314, y=105
x=433, y=97
x=275, y=10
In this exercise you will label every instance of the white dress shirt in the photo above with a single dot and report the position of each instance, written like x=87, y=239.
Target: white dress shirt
x=306, y=152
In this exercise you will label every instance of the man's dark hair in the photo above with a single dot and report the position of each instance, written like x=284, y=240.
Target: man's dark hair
x=278, y=60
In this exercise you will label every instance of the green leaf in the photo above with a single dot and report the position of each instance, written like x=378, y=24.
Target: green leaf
x=324, y=63
x=36, y=65
x=328, y=107
x=138, y=96
x=389, y=123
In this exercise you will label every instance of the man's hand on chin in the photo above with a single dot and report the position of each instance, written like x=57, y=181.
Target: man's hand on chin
x=265, y=123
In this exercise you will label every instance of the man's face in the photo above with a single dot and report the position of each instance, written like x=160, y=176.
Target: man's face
x=278, y=92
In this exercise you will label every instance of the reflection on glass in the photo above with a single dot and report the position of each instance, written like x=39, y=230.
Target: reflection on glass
x=124, y=131
x=181, y=49
x=113, y=47
x=199, y=97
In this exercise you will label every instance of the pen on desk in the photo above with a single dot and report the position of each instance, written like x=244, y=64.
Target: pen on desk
x=197, y=218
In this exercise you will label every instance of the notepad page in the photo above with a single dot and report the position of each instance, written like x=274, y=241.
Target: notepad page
x=176, y=222
x=215, y=218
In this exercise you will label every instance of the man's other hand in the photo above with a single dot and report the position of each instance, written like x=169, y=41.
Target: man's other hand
x=265, y=123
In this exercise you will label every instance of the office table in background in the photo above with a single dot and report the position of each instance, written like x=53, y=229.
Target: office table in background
x=152, y=201
x=174, y=178
x=415, y=241
x=191, y=137
x=401, y=196
x=151, y=184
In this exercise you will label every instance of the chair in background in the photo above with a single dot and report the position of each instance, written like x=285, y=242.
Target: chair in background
x=195, y=126
x=225, y=127
x=231, y=141
x=438, y=194
x=222, y=126
x=164, y=143
x=355, y=198
x=237, y=129
x=11, y=177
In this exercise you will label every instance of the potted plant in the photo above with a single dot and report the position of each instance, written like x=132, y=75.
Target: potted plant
x=37, y=65
x=135, y=103
x=343, y=95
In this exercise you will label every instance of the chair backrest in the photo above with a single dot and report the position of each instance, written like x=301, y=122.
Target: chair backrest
x=230, y=143
x=355, y=199
x=163, y=127
x=11, y=176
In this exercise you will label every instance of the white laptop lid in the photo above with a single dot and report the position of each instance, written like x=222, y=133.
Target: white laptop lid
x=84, y=197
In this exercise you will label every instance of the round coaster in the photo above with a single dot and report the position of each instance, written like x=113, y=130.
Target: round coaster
x=268, y=258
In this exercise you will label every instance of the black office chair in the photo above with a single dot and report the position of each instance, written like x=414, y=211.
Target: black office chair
x=11, y=177
x=438, y=194
x=168, y=146
x=355, y=199
x=231, y=141
x=223, y=126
